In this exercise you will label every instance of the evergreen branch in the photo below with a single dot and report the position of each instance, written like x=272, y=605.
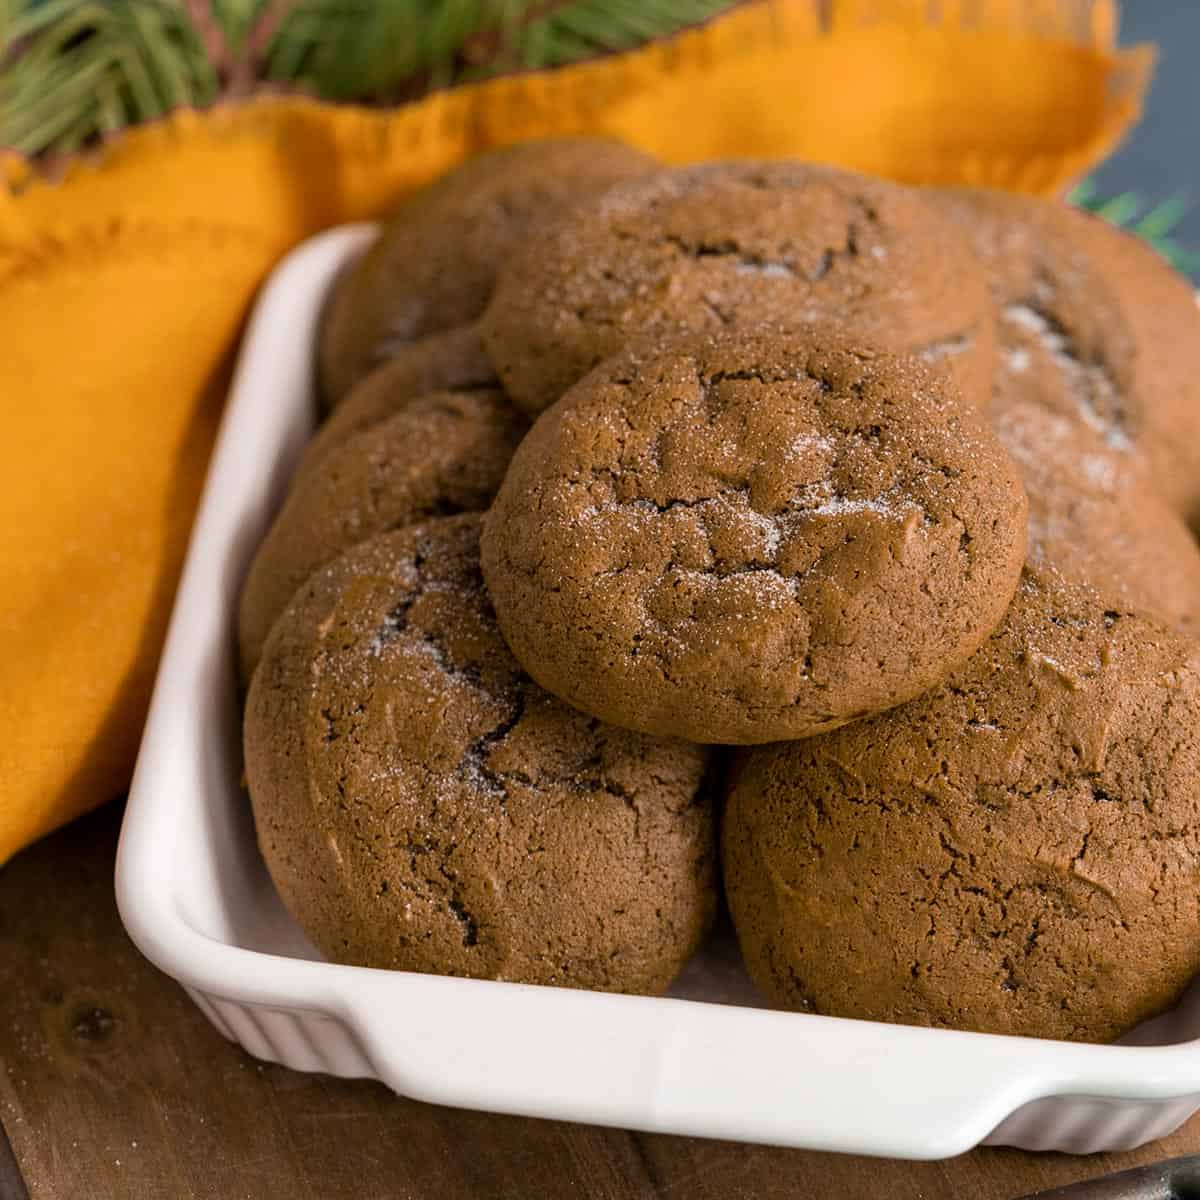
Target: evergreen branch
x=285, y=58
x=1120, y=210
x=204, y=21
x=552, y=33
x=344, y=49
x=74, y=72
x=1159, y=221
x=1155, y=227
x=109, y=111
x=145, y=57
x=77, y=71
x=488, y=45
x=236, y=17
x=143, y=33
x=265, y=28
x=33, y=19
x=261, y=33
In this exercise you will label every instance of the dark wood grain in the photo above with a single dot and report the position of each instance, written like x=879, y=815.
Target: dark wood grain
x=114, y=1087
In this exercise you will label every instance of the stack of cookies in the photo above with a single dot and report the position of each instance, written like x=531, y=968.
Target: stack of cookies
x=756, y=512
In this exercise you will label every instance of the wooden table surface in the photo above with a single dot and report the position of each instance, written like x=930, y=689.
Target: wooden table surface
x=113, y=1086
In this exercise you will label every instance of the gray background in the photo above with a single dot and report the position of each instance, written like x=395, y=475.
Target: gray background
x=1162, y=156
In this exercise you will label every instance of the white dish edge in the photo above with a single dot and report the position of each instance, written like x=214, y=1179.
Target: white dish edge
x=661, y=1065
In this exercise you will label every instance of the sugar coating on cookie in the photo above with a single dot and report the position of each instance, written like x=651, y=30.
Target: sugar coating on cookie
x=753, y=537
x=733, y=245
x=423, y=805
x=1014, y=853
x=1159, y=305
x=1064, y=341
x=443, y=453
x=1096, y=517
x=1072, y=405
x=434, y=265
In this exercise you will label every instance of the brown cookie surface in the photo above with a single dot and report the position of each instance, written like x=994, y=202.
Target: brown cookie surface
x=435, y=263
x=423, y=805
x=443, y=362
x=1064, y=341
x=1013, y=853
x=1096, y=518
x=725, y=245
x=1072, y=405
x=753, y=537
x=1159, y=305
x=442, y=453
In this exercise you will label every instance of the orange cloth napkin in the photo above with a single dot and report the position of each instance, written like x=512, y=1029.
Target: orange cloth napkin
x=123, y=285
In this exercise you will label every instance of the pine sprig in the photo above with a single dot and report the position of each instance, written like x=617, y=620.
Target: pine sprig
x=555, y=34
x=75, y=71
x=361, y=50
x=1155, y=224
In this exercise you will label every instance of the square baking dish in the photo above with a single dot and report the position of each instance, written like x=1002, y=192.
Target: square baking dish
x=196, y=899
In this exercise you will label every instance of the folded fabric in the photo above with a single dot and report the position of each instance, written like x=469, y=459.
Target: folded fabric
x=123, y=284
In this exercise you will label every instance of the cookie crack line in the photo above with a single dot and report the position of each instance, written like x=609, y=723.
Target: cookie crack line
x=396, y=624
x=393, y=625
x=803, y=507
x=755, y=264
x=953, y=346
x=1090, y=382
x=470, y=926
x=752, y=375
x=475, y=767
x=647, y=505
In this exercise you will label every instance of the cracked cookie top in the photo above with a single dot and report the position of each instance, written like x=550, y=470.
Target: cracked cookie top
x=737, y=245
x=752, y=537
x=1013, y=853
x=1070, y=404
x=423, y=805
x=1159, y=305
x=1064, y=342
x=442, y=453
x=1098, y=520
x=435, y=263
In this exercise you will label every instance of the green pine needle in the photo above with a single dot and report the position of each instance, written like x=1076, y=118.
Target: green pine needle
x=73, y=71
x=586, y=28
x=1156, y=226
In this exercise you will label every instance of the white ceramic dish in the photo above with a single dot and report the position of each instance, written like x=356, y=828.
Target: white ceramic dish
x=196, y=898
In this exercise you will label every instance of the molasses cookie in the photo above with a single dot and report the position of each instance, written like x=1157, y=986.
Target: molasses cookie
x=1159, y=305
x=443, y=362
x=1013, y=853
x=1065, y=342
x=435, y=263
x=752, y=537
x=1095, y=517
x=423, y=805
x=733, y=245
x=443, y=453
x=1069, y=405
